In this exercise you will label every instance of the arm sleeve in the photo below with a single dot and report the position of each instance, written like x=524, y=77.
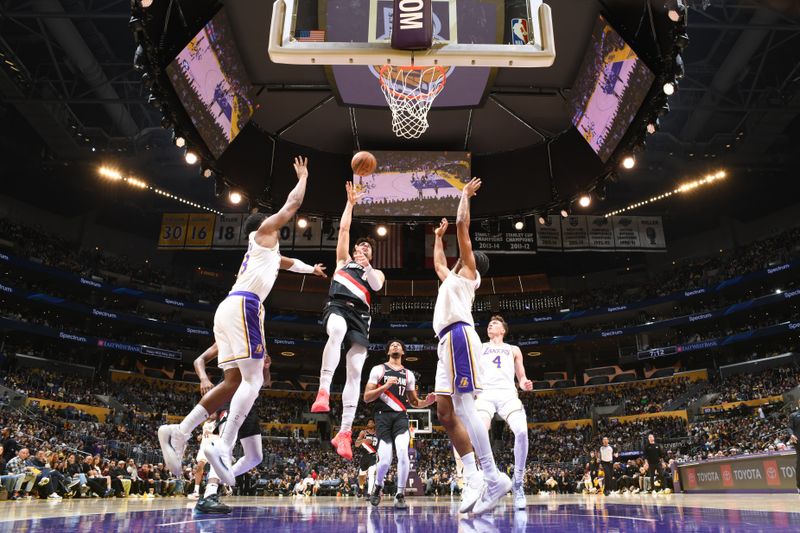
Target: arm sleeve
x=375, y=375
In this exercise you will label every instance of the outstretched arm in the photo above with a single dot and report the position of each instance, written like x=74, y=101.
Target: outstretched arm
x=468, y=268
x=295, y=265
x=519, y=369
x=439, y=259
x=293, y=201
x=343, y=244
x=200, y=367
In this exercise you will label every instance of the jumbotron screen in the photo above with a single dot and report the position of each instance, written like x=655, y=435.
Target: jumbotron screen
x=212, y=85
x=413, y=183
x=611, y=86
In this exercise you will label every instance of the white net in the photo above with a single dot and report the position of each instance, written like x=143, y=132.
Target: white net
x=410, y=91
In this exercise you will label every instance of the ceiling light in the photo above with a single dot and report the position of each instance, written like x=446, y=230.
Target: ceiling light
x=542, y=220
x=534, y=354
x=234, y=197
x=146, y=3
x=382, y=231
x=669, y=88
x=564, y=212
x=585, y=200
x=207, y=173
x=412, y=358
x=518, y=225
x=190, y=157
x=287, y=354
x=629, y=162
x=180, y=142
x=302, y=222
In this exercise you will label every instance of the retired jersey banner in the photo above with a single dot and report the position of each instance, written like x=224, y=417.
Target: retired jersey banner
x=651, y=233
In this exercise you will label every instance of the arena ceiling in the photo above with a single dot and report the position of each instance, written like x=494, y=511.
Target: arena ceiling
x=74, y=86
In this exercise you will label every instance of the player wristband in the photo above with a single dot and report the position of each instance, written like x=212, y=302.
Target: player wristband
x=373, y=279
x=301, y=268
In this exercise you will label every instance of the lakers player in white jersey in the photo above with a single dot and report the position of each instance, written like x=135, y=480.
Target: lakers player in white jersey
x=458, y=372
x=499, y=363
x=239, y=336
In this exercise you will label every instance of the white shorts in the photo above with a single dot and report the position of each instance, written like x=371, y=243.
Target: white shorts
x=500, y=401
x=458, y=369
x=200, y=455
x=239, y=329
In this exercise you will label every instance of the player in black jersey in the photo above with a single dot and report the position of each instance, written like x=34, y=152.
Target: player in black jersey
x=354, y=285
x=368, y=441
x=394, y=387
x=249, y=436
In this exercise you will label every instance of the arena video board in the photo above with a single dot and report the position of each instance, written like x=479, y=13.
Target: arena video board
x=612, y=84
x=413, y=184
x=211, y=83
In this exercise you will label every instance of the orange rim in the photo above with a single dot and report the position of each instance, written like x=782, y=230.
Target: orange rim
x=436, y=68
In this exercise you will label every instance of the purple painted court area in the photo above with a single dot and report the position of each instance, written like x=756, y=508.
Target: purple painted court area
x=329, y=516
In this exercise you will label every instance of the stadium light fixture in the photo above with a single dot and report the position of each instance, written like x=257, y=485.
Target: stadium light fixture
x=235, y=197
x=382, y=231
x=564, y=212
x=542, y=220
x=585, y=200
x=519, y=225
x=302, y=222
x=681, y=189
x=629, y=162
x=669, y=88
x=191, y=157
x=180, y=141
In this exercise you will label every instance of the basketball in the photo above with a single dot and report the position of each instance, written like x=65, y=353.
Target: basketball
x=363, y=163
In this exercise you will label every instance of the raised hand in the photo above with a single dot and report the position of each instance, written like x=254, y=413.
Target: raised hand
x=319, y=270
x=301, y=167
x=471, y=188
x=360, y=258
x=353, y=196
x=439, y=232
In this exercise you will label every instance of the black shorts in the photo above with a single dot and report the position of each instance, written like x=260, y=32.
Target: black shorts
x=356, y=317
x=390, y=424
x=251, y=426
x=367, y=460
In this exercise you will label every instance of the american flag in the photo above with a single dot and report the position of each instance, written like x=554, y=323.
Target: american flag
x=310, y=36
x=390, y=248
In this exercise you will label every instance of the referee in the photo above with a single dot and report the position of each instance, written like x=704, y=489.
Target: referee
x=794, y=431
x=607, y=462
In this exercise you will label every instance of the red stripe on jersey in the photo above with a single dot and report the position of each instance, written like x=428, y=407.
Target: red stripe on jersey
x=368, y=447
x=393, y=398
x=356, y=284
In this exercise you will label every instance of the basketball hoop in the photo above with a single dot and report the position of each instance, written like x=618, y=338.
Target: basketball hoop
x=410, y=92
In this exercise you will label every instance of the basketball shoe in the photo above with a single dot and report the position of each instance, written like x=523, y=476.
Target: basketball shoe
x=173, y=444
x=342, y=443
x=322, y=403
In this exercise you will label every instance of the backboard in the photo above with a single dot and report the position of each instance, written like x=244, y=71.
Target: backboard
x=353, y=38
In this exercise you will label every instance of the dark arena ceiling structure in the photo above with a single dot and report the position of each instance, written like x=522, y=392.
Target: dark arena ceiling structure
x=91, y=76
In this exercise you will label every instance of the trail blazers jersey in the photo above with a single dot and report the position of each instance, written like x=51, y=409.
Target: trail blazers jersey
x=394, y=398
x=350, y=283
x=370, y=443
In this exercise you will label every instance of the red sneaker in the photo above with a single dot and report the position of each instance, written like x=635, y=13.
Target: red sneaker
x=321, y=403
x=342, y=443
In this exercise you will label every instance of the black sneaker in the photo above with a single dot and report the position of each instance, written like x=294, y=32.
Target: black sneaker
x=375, y=499
x=211, y=505
x=400, y=501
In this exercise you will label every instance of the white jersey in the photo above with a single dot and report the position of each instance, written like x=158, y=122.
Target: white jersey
x=454, y=302
x=259, y=269
x=497, y=367
x=208, y=429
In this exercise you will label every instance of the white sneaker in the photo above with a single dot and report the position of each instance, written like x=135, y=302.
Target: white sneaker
x=520, y=502
x=54, y=496
x=194, y=496
x=492, y=494
x=173, y=444
x=472, y=490
x=219, y=456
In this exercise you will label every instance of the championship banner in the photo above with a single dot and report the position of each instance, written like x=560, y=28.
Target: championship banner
x=574, y=233
x=548, y=235
x=626, y=232
x=507, y=240
x=764, y=473
x=601, y=233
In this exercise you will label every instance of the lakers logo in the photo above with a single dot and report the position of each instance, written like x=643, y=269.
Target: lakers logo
x=464, y=382
x=259, y=348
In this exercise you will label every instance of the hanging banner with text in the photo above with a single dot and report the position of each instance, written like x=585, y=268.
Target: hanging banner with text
x=202, y=231
x=582, y=233
x=503, y=238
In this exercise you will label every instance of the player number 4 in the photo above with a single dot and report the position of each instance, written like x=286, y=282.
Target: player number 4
x=496, y=361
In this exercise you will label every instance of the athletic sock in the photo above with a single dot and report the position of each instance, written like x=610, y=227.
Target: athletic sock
x=469, y=464
x=211, y=488
x=193, y=419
